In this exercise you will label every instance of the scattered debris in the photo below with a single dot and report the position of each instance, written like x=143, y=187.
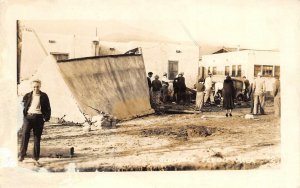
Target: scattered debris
x=86, y=127
x=218, y=154
x=108, y=121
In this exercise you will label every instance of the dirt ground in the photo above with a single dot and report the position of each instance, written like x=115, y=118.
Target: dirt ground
x=203, y=141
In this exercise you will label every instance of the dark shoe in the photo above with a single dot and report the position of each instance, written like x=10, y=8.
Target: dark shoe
x=20, y=159
x=230, y=114
x=226, y=115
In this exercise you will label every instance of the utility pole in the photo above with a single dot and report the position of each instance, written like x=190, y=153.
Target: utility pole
x=19, y=50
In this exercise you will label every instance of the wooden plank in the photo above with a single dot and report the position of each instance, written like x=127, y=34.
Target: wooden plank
x=53, y=152
x=182, y=111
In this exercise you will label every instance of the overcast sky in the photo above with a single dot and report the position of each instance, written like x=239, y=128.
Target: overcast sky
x=249, y=24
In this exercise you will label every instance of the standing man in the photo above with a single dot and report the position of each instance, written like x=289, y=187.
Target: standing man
x=208, y=89
x=156, y=90
x=150, y=86
x=149, y=79
x=259, y=88
x=200, y=94
x=247, y=88
x=165, y=86
x=276, y=94
x=36, y=111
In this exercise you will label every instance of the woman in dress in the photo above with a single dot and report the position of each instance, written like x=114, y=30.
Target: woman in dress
x=228, y=95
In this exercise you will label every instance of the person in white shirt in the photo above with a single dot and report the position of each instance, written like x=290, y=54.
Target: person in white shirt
x=208, y=89
x=165, y=86
x=36, y=111
x=259, y=87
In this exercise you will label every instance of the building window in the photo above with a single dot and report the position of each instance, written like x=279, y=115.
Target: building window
x=277, y=71
x=227, y=70
x=60, y=56
x=239, y=71
x=209, y=70
x=173, y=69
x=233, y=73
x=267, y=70
x=257, y=69
x=214, y=72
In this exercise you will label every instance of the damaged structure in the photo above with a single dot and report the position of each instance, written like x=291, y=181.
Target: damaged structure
x=113, y=84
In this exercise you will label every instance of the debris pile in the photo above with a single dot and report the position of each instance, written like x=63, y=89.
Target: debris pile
x=104, y=120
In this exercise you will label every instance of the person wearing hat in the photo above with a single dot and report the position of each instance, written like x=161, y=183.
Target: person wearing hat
x=200, y=94
x=150, y=86
x=208, y=89
x=181, y=88
x=156, y=90
x=149, y=79
x=259, y=88
x=165, y=86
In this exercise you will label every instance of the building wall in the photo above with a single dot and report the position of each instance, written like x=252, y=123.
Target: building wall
x=157, y=57
x=263, y=58
x=247, y=59
x=156, y=54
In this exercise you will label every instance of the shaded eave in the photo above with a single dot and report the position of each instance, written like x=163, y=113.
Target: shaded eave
x=99, y=57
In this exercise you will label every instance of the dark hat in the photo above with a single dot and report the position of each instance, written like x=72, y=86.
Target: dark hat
x=150, y=73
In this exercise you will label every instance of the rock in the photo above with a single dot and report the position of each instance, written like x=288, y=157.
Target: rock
x=249, y=116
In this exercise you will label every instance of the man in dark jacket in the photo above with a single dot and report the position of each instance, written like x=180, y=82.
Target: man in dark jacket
x=36, y=111
x=150, y=86
x=149, y=79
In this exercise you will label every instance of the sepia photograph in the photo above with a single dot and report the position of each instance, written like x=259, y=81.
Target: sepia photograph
x=135, y=90
x=113, y=96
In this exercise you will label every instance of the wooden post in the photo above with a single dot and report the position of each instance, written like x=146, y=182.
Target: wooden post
x=19, y=50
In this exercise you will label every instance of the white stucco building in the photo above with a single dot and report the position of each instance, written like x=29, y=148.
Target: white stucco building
x=159, y=57
x=243, y=63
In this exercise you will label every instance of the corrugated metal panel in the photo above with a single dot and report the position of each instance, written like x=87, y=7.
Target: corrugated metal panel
x=113, y=84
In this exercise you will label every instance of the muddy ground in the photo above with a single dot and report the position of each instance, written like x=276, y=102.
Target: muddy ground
x=204, y=141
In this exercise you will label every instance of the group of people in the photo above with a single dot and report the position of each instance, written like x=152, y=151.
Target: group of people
x=159, y=89
x=37, y=108
x=204, y=92
x=255, y=92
